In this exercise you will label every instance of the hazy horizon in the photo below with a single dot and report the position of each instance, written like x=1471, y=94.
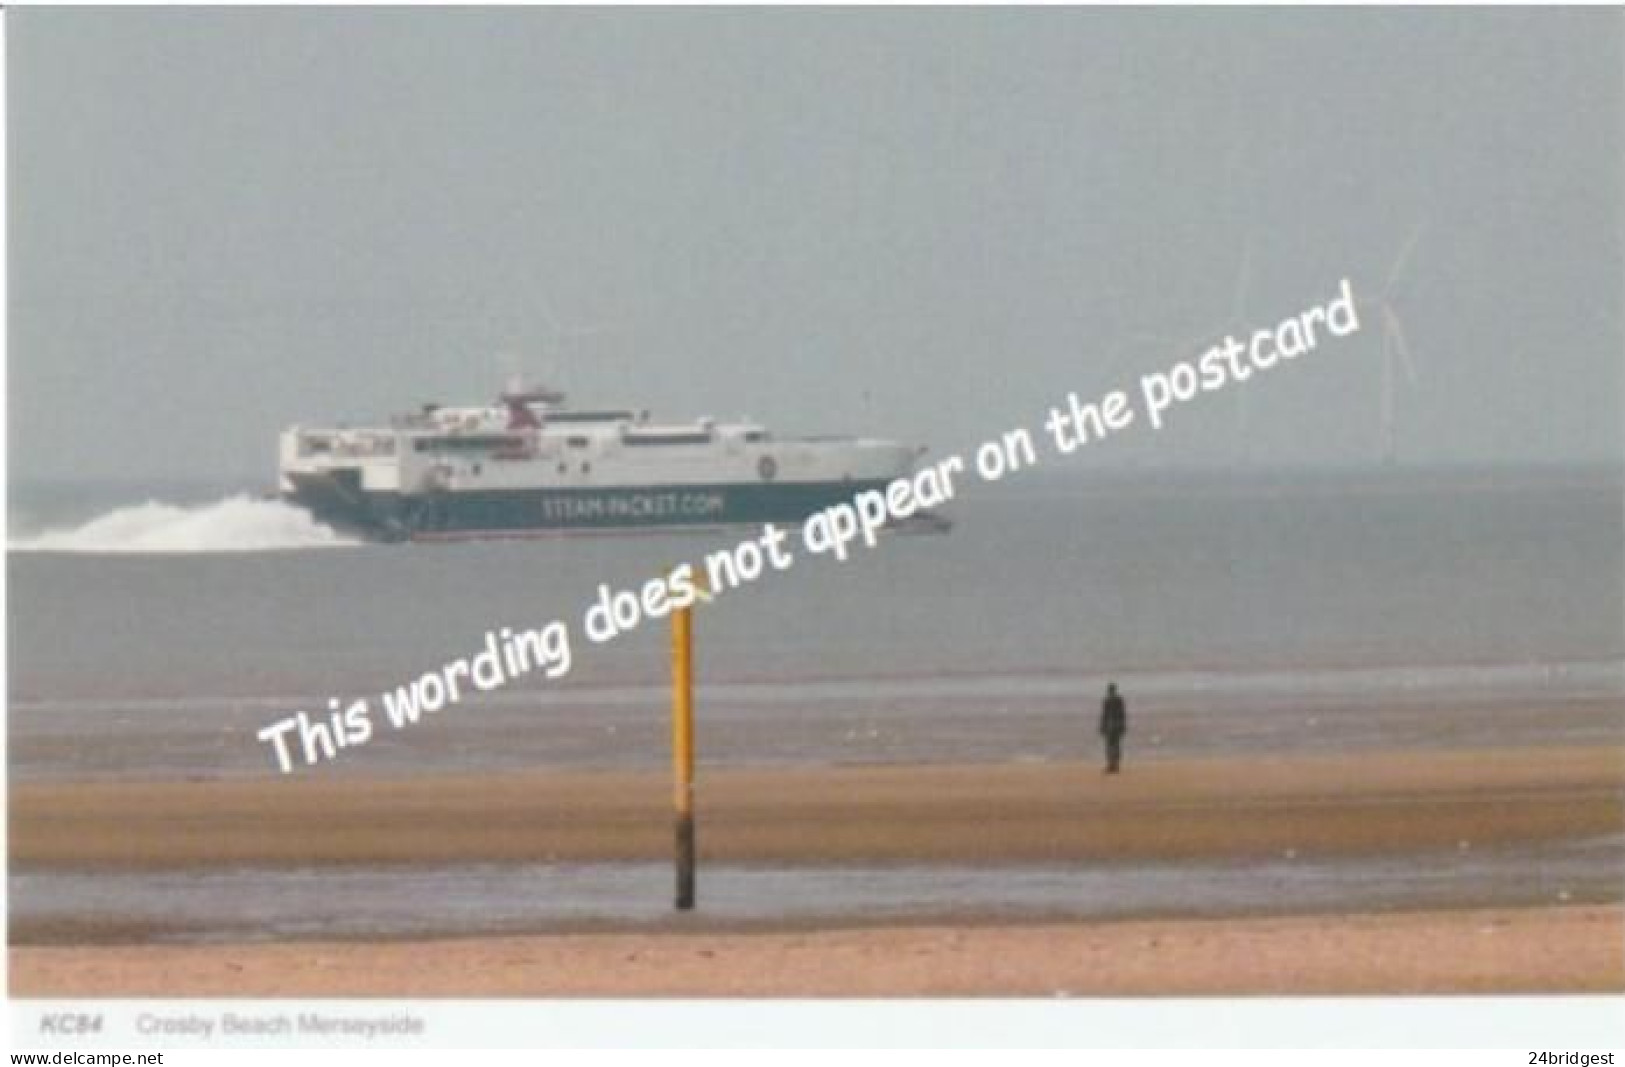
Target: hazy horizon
x=923, y=224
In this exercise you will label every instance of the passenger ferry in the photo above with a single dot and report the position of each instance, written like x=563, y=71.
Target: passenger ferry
x=529, y=464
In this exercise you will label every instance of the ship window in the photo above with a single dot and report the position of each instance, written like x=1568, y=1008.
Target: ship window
x=563, y=468
x=681, y=438
x=476, y=470
x=755, y=437
x=586, y=468
x=467, y=443
x=578, y=442
x=587, y=416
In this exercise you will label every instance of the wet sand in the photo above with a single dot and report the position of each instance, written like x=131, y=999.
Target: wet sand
x=1370, y=804
x=999, y=813
x=1533, y=950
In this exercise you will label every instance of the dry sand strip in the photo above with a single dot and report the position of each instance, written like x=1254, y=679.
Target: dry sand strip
x=1317, y=805
x=1532, y=950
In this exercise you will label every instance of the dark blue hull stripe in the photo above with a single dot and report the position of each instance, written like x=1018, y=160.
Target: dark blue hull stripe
x=341, y=503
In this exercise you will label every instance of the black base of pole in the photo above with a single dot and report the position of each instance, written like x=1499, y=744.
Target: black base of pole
x=685, y=863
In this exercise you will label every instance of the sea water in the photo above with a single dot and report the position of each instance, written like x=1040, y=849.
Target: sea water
x=155, y=637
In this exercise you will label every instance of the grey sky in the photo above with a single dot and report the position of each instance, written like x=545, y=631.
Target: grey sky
x=926, y=224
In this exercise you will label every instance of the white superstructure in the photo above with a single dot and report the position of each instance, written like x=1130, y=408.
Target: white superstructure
x=529, y=462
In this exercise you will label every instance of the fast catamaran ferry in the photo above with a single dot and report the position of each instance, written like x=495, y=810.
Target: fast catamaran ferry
x=530, y=464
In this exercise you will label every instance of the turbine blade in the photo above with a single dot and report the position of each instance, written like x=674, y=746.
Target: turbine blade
x=1396, y=335
x=1385, y=413
x=1403, y=259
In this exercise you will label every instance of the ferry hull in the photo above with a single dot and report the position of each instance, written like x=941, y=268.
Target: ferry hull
x=338, y=500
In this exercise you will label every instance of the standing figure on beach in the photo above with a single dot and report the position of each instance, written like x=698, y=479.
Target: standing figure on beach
x=1113, y=725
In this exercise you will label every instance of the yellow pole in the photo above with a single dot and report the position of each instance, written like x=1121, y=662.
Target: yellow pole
x=682, y=749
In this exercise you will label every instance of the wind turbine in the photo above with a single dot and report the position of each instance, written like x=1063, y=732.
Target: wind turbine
x=1395, y=348
x=1235, y=322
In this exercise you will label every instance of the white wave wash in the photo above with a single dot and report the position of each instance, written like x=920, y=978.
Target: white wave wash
x=236, y=524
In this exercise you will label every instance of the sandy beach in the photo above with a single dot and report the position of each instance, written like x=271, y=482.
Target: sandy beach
x=996, y=813
x=1534, y=950
x=1000, y=816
